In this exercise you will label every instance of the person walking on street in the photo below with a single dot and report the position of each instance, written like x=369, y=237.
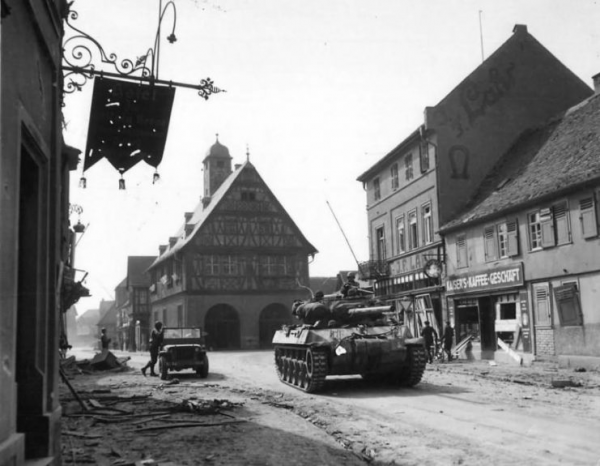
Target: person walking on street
x=447, y=338
x=156, y=339
x=104, y=340
x=431, y=337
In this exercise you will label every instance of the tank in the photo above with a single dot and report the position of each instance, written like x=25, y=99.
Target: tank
x=346, y=336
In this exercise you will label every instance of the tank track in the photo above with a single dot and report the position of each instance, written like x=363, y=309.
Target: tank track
x=301, y=368
x=412, y=373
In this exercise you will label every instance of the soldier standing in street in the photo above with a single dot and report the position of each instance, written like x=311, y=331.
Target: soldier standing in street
x=156, y=340
x=447, y=338
x=430, y=336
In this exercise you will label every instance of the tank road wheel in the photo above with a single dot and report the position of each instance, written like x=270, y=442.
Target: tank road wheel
x=279, y=362
x=286, y=369
x=412, y=373
x=162, y=367
x=316, y=370
x=302, y=375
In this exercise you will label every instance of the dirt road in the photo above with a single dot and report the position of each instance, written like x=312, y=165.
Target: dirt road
x=460, y=414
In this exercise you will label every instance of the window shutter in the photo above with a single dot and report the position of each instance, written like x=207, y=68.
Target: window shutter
x=512, y=232
x=547, y=228
x=542, y=305
x=489, y=243
x=424, y=156
x=587, y=215
x=561, y=220
x=461, y=251
x=567, y=303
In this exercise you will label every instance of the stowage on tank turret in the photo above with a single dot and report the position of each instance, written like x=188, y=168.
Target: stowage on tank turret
x=345, y=336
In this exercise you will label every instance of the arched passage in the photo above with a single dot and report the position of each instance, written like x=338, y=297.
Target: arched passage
x=271, y=319
x=222, y=324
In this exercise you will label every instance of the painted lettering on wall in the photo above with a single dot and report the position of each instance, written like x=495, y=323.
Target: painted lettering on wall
x=475, y=99
x=497, y=278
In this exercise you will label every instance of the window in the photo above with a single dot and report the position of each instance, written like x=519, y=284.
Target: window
x=461, y=251
x=549, y=227
x=501, y=240
x=587, y=217
x=535, y=231
x=211, y=265
x=424, y=156
x=394, y=174
x=413, y=231
x=229, y=265
x=567, y=305
x=400, y=235
x=376, y=189
x=408, y=166
x=380, y=235
x=427, y=224
x=248, y=196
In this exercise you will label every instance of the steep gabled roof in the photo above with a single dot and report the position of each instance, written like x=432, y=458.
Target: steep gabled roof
x=202, y=213
x=136, y=270
x=544, y=163
x=107, y=312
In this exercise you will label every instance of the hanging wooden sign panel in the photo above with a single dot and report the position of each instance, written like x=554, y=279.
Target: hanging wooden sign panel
x=129, y=122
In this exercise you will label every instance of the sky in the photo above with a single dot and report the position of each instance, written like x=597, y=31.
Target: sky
x=317, y=91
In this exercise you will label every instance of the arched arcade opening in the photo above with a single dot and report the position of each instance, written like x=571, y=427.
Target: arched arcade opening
x=222, y=325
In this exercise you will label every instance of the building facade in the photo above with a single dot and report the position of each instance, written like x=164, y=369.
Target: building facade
x=524, y=258
x=35, y=238
x=432, y=174
x=237, y=262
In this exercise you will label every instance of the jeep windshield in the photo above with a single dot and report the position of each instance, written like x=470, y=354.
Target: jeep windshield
x=182, y=332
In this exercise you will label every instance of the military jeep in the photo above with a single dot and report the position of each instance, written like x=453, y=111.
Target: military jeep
x=182, y=348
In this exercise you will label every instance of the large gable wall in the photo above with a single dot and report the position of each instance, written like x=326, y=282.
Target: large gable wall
x=520, y=86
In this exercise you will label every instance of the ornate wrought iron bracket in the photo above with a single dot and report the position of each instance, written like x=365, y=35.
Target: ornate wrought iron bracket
x=80, y=51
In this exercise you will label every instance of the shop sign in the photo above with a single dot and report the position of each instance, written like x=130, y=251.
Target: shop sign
x=499, y=277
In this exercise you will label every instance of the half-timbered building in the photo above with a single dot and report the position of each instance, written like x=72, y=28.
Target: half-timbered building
x=237, y=262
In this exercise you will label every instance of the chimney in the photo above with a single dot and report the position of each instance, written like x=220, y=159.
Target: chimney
x=237, y=166
x=205, y=201
x=188, y=216
x=520, y=29
x=189, y=227
x=173, y=240
x=596, y=79
x=161, y=249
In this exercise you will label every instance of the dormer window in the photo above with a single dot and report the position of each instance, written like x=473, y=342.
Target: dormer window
x=248, y=196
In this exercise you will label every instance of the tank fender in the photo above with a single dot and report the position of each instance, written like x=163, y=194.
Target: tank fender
x=419, y=341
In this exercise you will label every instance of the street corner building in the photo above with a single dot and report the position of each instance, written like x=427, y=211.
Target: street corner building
x=237, y=262
x=501, y=285
x=37, y=284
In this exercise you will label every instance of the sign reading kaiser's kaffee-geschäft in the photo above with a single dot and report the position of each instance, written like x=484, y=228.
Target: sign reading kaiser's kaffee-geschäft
x=499, y=277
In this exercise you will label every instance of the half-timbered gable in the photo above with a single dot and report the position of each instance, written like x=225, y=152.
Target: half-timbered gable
x=237, y=260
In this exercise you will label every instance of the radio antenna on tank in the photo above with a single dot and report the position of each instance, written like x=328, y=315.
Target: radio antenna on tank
x=342, y=230
x=481, y=36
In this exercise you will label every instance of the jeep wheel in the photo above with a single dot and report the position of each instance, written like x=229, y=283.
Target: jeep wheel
x=202, y=371
x=162, y=367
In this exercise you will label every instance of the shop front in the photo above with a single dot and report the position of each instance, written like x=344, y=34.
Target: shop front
x=489, y=310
